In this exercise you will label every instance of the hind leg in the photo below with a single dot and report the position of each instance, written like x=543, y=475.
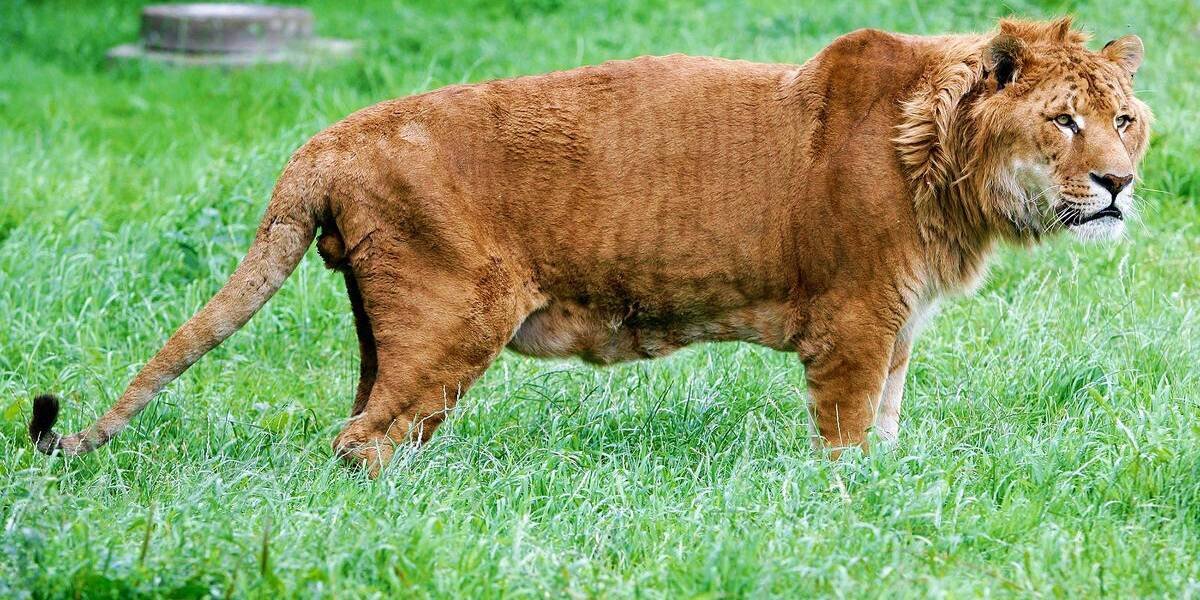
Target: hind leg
x=435, y=331
x=368, y=358
x=332, y=249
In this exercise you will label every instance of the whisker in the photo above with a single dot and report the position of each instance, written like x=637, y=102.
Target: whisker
x=1148, y=189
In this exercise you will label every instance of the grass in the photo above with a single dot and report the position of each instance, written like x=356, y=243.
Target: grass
x=1050, y=443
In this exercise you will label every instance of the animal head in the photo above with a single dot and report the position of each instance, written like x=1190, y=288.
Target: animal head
x=1062, y=128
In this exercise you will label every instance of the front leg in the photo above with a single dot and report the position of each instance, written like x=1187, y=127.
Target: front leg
x=887, y=423
x=846, y=368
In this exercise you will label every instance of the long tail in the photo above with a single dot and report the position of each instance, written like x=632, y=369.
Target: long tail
x=287, y=229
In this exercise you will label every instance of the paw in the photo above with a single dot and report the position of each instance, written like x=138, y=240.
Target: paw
x=888, y=429
x=369, y=453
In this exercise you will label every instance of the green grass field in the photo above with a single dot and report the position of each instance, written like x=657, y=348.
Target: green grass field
x=1050, y=444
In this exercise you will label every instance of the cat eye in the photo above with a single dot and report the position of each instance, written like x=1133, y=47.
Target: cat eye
x=1123, y=121
x=1065, y=120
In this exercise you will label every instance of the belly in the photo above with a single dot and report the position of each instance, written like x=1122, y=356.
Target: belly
x=563, y=329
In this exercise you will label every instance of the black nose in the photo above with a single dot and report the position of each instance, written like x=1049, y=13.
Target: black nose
x=1113, y=183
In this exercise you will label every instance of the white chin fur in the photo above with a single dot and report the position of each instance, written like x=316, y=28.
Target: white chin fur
x=1101, y=230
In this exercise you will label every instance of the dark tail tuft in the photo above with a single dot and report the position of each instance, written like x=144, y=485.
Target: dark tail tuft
x=45, y=413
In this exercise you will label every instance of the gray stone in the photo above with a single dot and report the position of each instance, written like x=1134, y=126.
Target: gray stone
x=230, y=35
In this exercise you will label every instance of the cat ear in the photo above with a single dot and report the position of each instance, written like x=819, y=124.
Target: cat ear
x=1126, y=51
x=1004, y=57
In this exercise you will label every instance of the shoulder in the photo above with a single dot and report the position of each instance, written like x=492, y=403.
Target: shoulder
x=872, y=46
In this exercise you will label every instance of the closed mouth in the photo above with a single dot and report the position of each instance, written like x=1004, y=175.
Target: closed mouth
x=1072, y=217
